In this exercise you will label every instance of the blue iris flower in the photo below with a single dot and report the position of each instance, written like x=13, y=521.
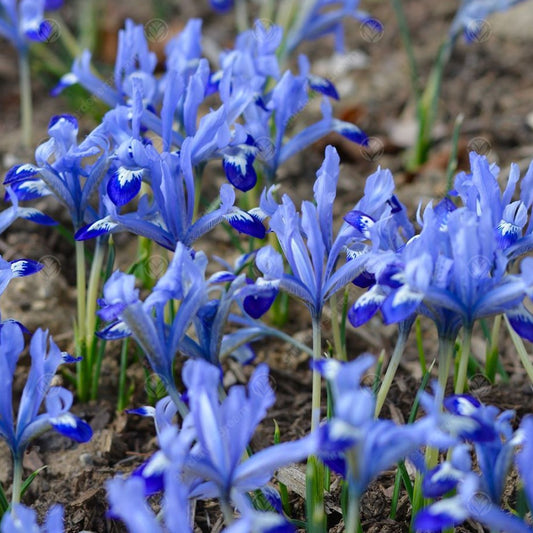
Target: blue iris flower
x=45, y=357
x=480, y=192
x=465, y=273
x=456, y=270
x=323, y=17
x=22, y=22
x=381, y=219
x=478, y=494
x=469, y=503
x=375, y=444
x=268, y=119
x=24, y=519
x=494, y=443
x=134, y=61
x=472, y=13
x=168, y=218
x=208, y=454
x=69, y=171
x=207, y=457
x=308, y=244
x=147, y=321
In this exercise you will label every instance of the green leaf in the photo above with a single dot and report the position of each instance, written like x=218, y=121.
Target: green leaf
x=28, y=481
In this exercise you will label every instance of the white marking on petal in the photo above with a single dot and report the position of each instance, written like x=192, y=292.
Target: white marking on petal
x=369, y=298
x=340, y=430
x=465, y=407
x=446, y=471
x=451, y=507
x=404, y=294
x=104, y=223
x=331, y=369
x=25, y=168
x=506, y=227
x=237, y=160
x=66, y=420
x=19, y=267
x=241, y=215
x=69, y=79
x=156, y=465
x=126, y=175
x=34, y=186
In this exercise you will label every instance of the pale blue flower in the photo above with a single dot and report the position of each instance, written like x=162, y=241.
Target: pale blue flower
x=353, y=442
x=134, y=61
x=45, y=357
x=70, y=171
x=308, y=245
x=22, y=21
x=24, y=520
x=472, y=13
x=478, y=494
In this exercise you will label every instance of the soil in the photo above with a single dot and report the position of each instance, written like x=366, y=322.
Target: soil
x=487, y=81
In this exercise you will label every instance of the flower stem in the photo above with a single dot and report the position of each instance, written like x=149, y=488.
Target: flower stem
x=92, y=294
x=404, y=329
x=315, y=469
x=446, y=348
x=492, y=352
x=227, y=511
x=17, y=481
x=81, y=287
x=25, y=98
x=82, y=366
x=463, y=362
x=317, y=382
x=241, y=15
x=352, y=519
